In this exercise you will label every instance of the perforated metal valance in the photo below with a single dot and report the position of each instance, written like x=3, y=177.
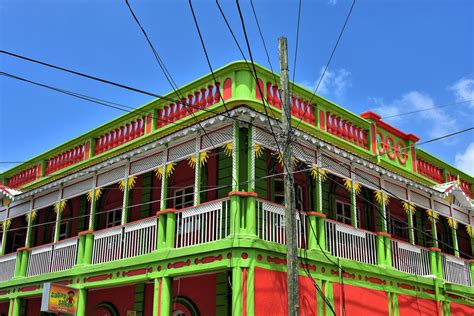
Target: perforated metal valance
x=77, y=188
x=45, y=200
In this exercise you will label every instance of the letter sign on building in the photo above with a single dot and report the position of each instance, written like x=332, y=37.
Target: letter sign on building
x=59, y=299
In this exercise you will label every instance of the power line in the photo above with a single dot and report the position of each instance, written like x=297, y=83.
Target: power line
x=427, y=109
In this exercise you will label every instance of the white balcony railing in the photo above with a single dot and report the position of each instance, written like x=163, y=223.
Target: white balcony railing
x=271, y=223
x=456, y=270
x=203, y=223
x=130, y=240
x=410, y=259
x=7, y=266
x=351, y=243
x=52, y=257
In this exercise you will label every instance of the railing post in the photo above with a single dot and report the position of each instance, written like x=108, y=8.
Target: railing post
x=245, y=203
x=170, y=229
x=14, y=307
x=87, y=244
x=126, y=193
x=82, y=302
x=471, y=266
x=383, y=251
x=315, y=231
x=81, y=244
x=388, y=249
x=21, y=262
x=435, y=262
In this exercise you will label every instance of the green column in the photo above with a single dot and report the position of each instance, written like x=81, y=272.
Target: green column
x=251, y=200
x=21, y=262
x=87, y=238
x=312, y=231
x=380, y=240
x=162, y=217
x=156, y=297
x=170, y=229
x=388, y=250
x=126, y=194
x=29, y=222
x=80, y=249
x=93, y=203
x=57, y=225
x=82, y=302
x=197, y=173
x=235, y=211
x=251, y=289
x=166, y=296
x=471, y=264
x=237, y=302
x=4, y=237
x=454, y=236
x=14, y=308
x=434, y=231
x=411, y=233
x=353, y=197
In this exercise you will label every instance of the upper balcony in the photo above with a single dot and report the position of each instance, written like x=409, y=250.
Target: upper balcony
x=366, y=135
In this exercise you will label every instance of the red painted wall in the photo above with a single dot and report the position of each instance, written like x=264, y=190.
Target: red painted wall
x=33, y=306
x=4, y=308
x=270, y=294
x=461, y=310
x=359, y=301
x=411, y=305
x=201, y=290
x=122, y=297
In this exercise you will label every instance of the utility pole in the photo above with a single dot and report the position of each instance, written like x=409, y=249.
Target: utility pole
x=290, y=208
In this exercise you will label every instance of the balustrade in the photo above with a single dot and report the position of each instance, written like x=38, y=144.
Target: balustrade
x=52, y=257
x=430, y=171
x=120, y=135
x=65, y=159
x=203, y=223
x=271, y=223
x=456, y=270
x=201, y=98
x=24, y=177
x=410, y=259
x=465, y=186
x=7, y=267
x=345, y=129
x=351, y=243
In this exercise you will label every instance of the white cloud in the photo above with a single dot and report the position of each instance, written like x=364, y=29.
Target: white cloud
x=464, y=90
x=465, y=161
x=334, y=83
x=437, y=122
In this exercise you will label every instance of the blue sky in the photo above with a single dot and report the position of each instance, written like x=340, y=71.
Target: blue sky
x=395, y=56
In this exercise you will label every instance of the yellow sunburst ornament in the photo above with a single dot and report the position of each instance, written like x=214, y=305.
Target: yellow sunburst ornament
x=131, y=183
x=315, y=171
x=409, y=207
x=59, y=206
x=6, y=224
x=449, y=198
x=97, y=193
x=432, y=215
x=31, y=215
x=203, y=156
x=348, y=183
x=258, y=150
x=469, y=230
x=379, y=195
x=6, y=201
x=452, y=223
x=228, y=149
x=279, y=155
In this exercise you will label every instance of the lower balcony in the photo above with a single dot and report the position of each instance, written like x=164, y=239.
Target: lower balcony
x=213, y=221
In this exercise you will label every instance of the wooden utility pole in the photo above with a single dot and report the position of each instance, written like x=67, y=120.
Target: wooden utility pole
x=290, y=209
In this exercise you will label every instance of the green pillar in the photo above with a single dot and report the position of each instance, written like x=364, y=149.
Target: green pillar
x=14, y=308
x=80, y=249
x=57, y=225
x=86, y=242
x=82, y=302
x=251, y=289
x=21, y=262
x=237, y=302
x=170, y=229
x=162, y=217
x=454, y=236
x=93, y=203
x=235, y=210
x=353, y=197
x=126, y=194
x=434, y=231
x=471, y=264
x=4, y=237
x=156, y=297
x=388, y=250
x=251, y=199
x=166, y=296
x=380, y=241
x=411, y=232
x=197, y=174
x=29, y=222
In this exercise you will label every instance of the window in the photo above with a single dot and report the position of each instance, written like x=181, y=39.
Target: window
x=63, y=230
x=114, y=218
x=343, y=213
x=18, y=241
x=280, y=194
x=184, y=197
x=398, y=228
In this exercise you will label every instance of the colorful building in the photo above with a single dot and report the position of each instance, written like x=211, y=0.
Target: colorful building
x=175, y=208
